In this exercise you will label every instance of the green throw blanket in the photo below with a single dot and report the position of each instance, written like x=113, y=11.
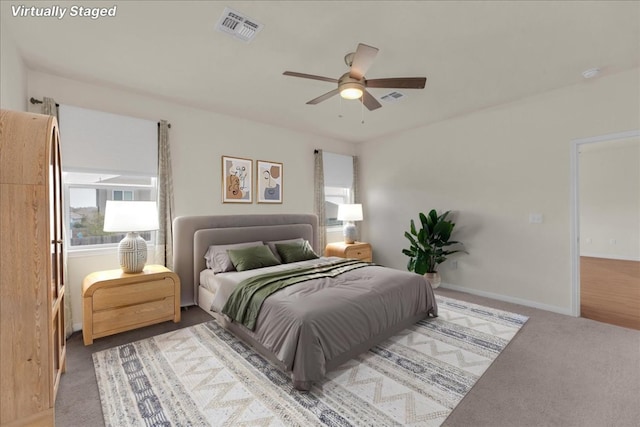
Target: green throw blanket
x=244, y=303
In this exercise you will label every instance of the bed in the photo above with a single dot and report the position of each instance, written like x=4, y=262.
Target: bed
x=307, y=328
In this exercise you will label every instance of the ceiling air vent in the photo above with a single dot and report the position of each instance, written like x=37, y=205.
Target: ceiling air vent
x=393, y=96
x=238, y=25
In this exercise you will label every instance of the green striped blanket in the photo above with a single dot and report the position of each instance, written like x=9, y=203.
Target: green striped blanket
x=245, y=301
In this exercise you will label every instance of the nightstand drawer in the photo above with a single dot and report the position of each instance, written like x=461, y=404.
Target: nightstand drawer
x=358, y=250
x=135, y=293
x=131, y=316
x=363, y=253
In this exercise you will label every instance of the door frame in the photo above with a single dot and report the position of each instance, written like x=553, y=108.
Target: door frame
x=575, y=207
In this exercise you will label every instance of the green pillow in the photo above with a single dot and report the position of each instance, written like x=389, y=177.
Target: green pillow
x=297, y=251
x=251, y=258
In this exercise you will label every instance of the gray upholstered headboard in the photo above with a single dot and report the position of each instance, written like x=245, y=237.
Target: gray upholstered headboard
x=192, y=236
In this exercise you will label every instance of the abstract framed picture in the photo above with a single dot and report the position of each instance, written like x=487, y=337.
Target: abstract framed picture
x=268, y=181
x=237, y=180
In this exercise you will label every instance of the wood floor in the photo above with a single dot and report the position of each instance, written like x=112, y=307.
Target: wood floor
x=610, y=291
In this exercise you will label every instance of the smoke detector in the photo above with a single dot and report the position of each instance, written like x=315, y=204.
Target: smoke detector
x=238, y=25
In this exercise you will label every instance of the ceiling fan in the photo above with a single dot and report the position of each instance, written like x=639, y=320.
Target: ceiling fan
x=352, y=85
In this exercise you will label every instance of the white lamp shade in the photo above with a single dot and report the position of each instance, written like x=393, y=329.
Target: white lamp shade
x=351, y=212
x=129, y=216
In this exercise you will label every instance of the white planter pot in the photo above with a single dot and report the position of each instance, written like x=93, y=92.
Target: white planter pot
x=433, y=278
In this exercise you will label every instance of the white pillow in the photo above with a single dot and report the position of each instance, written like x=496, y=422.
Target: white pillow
x=218, y=260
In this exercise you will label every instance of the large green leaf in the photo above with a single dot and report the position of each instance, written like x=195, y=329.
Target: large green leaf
x=442, y=231
x=413, y=228
x=411, y=239
x=421, y=263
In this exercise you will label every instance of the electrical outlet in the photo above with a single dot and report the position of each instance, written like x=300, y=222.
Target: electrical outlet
x=535, y=218
x=454, y=264
x=613, y=242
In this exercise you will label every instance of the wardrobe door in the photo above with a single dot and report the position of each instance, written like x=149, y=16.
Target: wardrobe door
x=26, y=306
x=57, y=262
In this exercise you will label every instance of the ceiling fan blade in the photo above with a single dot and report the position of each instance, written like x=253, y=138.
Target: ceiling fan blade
x=398, y=82
x=370, y=102
x=310, y=76
x=323, y=97
x=362, y=60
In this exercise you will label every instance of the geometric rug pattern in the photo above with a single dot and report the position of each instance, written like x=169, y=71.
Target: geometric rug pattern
x=204, y=376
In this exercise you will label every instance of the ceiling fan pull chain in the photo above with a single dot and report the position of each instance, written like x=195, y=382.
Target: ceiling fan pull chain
x=340, y=108
x=362, y=107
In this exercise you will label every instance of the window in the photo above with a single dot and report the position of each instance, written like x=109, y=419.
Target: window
x=86, y=195
x=334, y=196
x=338, y=185
x=104, y=157
x=124, y=195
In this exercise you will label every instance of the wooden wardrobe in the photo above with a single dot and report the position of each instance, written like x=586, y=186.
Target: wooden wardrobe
x=32, y=291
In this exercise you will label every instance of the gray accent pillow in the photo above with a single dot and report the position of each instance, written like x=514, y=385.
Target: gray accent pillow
x=272, y=245
x=252, y=258
x=218, y=259
x=298, y=251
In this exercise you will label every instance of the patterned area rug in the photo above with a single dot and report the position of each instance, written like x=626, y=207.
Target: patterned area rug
x=202, y=375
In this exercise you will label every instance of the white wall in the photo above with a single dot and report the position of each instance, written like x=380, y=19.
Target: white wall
x=610, y=200
x=13, y=75
x=198, y=139
x=493, y=168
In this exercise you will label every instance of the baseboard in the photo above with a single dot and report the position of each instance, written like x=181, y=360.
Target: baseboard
x=505, y=298
x=607, y=256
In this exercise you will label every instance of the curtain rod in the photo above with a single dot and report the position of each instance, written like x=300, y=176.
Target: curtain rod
x=37, y=101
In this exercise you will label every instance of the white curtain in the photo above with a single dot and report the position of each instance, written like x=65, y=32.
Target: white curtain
x=166, y=209
x=318, y=200
x=50, y=108
x=355, y=192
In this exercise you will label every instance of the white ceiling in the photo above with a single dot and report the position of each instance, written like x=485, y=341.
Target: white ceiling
x=474, y=54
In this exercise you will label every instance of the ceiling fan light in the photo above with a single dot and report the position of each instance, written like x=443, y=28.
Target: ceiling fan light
x=351, y=91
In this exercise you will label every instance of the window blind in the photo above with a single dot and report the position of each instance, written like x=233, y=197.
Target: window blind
x=338, y=170
x=97, y=141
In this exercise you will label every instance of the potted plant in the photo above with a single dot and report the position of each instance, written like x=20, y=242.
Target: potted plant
x=430, y=245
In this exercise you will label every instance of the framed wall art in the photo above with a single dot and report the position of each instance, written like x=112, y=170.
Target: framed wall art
x=268, y=182
x=237, y=180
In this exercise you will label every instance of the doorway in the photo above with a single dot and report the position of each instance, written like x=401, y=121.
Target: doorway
x=606, y=228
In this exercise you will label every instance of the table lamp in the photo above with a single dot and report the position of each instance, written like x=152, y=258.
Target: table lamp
x=349, y=214
x=131, y=218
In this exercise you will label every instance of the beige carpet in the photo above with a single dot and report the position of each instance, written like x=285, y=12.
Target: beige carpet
x=203, y=375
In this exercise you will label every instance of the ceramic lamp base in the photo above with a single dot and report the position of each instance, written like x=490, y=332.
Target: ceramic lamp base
x=350, y=232
x=132, y=253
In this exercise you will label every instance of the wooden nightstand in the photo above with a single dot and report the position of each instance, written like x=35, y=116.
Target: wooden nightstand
x=115, y=302
x=357, y=250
